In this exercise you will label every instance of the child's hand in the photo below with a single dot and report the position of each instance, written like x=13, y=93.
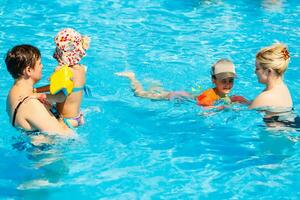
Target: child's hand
x=239, y=99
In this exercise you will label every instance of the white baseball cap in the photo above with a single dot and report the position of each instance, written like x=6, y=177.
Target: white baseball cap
x=222, y=69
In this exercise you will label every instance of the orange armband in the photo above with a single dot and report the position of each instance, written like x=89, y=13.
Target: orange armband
x=207, y=98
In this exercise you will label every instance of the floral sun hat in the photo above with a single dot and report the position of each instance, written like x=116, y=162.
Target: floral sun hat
x=70, y=46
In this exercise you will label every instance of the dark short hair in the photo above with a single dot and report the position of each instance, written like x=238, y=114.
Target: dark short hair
x=20, y=57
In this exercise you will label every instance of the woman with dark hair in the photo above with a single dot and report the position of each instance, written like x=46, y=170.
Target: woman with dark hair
x=27, y=110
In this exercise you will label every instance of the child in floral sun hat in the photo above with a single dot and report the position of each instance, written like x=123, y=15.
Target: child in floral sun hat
x=70, y=48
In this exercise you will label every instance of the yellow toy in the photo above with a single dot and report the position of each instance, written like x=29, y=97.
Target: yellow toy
x=196, y=90
x=61, y=80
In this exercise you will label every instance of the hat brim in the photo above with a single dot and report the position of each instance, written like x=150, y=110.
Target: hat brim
x=224, y=75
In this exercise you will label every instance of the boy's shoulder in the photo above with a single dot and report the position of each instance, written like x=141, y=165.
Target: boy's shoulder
x=208, y=92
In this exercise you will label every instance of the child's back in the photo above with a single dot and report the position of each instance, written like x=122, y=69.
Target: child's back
x=71, y=107
x=70, y=48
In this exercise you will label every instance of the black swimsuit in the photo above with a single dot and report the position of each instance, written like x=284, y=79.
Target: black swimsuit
x=16, y=110
x=288, y=119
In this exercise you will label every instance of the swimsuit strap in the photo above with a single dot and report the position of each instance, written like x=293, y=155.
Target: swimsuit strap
x=55, y=112
x=77, y=89
x=77, y=119
x=16, y=110
x=66, y=121
x=86, y=89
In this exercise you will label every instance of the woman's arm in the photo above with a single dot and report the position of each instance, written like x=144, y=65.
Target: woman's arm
x=260, y=101
x=49, y=98
x=40, y=118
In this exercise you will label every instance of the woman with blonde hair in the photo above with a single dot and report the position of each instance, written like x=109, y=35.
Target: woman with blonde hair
x=271, y=64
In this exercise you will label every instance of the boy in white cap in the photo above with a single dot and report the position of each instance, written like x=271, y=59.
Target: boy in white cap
x=223, y=74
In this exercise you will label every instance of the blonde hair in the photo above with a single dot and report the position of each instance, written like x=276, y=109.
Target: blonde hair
x=275, y=57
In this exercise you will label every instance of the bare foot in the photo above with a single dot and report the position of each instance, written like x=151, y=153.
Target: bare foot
x=128, y=74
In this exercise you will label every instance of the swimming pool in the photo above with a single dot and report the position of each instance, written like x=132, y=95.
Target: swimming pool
x=132, y=148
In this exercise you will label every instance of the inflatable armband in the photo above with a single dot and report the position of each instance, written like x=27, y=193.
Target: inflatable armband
x=61, y=80
x=207, y=98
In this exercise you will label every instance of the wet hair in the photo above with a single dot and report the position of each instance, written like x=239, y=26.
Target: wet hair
x=275, y=57
x=20, y=57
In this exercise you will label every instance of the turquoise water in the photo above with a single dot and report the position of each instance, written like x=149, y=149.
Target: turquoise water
x=132, y=148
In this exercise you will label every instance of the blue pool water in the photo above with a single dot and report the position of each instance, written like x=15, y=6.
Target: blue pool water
x=132, y=148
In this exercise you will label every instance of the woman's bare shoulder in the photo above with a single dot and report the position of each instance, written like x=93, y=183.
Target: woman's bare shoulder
x=34, y=105
x=263, y=99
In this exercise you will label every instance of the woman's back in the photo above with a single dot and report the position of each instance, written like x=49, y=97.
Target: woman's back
x=17, y=97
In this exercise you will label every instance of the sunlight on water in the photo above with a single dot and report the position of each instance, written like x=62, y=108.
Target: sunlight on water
x=132, y=148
